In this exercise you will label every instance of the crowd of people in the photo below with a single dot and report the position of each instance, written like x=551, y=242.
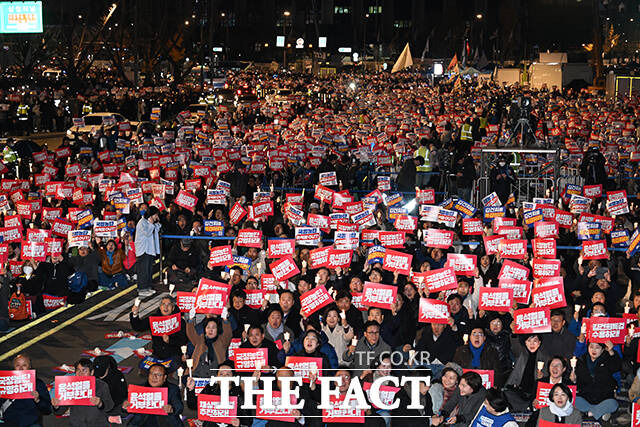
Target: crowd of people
x=350, y=177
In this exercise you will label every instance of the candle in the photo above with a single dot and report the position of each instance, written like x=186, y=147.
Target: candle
x=576, y=307
x=171, y=288
x=190, y=365
x=259, y=266
x=583, y=329
x=343, y=315
x=631, y=329
x=574, y=362
x=317, y=279
x=412, y=355
x=540, y=366
x=246, y=327
x=184, y=349
x=286, y=336
x=314, y=370
x=258, y=365
x=304, y=264
x=180, y=371
x=626, y=307
x=354, y=341
x=465, y=338
x=120, y=334
x=97, y=350
x=137, y=302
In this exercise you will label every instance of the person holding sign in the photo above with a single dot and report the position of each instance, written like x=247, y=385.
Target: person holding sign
x=596, y=384
x=208, y=349
x=526, y=372
x=26, y=412
x=157, y=378
x=166, y=346
x=95, y=415
x=560, y=409
x=256, y=339
x=477, y=355
x=224, y=370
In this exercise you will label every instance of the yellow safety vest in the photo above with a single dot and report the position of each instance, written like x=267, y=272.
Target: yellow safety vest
x=465, y=132
x=424, y=153
x=87, y=109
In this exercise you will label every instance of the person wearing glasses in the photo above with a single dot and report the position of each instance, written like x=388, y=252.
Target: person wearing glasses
x=476, y=355
x=367, y=350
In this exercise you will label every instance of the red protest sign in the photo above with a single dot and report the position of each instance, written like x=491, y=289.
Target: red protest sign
x=433, y=311
x=405, y=223
x=441, y=279
x=592, y=191
x=302, y=366
x=472, y=227
x=319, y=257
x=164, y=325
x=389, y=239
x=512, y=249
x=594, y=249
x=486, y=375
x=603, y=329
x=249, y=359
x=17, y=384
x=277, y=412
x=51, y=302
x=492, y=244
x=277, y=248
x=551, y=296
x=220, y=256
x=236, y=213
x=544, y=248
x=147, y=400
x=249, y=238
x=521, y=289
x=545, y=229
x=314, y=299
x=542, y=394
x=397, y=261
x=386, y=393
x=209, y=409
x=33, y=250
x=532, y=320
x=462, y=264
x=284, y=268
x=186, y=200
x=185, y=301
x=211, y=296
x=545, y=268
x=635, y=414
x=436, y=238
x=74, y=390
x=379, y=295
x=339, y=258
x=495, y=299
x=514, y=270
x=338, y=412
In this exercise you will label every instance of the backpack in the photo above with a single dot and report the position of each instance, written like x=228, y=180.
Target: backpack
x=78, y=281
x=18, y=307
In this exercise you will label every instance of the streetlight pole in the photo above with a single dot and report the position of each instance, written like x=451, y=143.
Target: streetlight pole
x=364, y=40
x=286, y=15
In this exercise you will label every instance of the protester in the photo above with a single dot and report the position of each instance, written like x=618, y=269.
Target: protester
x=26, y=412
x=464, y=403
x=209, y=348
x=95, y=415
x=560, y=409
x=147, y=245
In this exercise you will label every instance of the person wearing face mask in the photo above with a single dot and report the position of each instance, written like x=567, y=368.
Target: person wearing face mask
x=502, y=177
x=560, y=409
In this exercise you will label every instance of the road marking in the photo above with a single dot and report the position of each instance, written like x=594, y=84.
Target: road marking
x=149, y=306
x=66, y=323
x=39, y=320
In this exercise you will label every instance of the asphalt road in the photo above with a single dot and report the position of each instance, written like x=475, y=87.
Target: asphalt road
x=61, y=336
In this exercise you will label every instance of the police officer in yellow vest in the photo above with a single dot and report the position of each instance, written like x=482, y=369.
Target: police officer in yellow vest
x=22, y=114
x=466, y=132
x=422, y=178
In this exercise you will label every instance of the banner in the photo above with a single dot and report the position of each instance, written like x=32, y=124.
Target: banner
x=545, y=268
x=249, y=238
x=277, y=412
x=186, y=200
x=495, y=299
x=314, y=299
x=74, y=390
x=17, y=384
x=397, y=261
x=248, y=359
x=521, y=289
x=165, y=325
x=536, y=320
x=544, y=248
x=379, y=295
x=339, y=414
x=549, y=296
x=284, y=269
x=487, y=376
x=514, y=270
x=594, y=249
x=603, y=329
x=211, y=296
x=185, y=301
x=472, y=227
x=209, y=408
x=220, y=256
x=512, y=249
x=433, y=311
x=302, y=366
x=463, y=265
x=436, y=238
x=441, y=279
x=147, y=400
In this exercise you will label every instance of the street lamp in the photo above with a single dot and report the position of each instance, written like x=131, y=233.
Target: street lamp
x=286, y=15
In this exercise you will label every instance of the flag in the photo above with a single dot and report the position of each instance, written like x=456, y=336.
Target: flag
x=453, y=63
x=404, y=60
